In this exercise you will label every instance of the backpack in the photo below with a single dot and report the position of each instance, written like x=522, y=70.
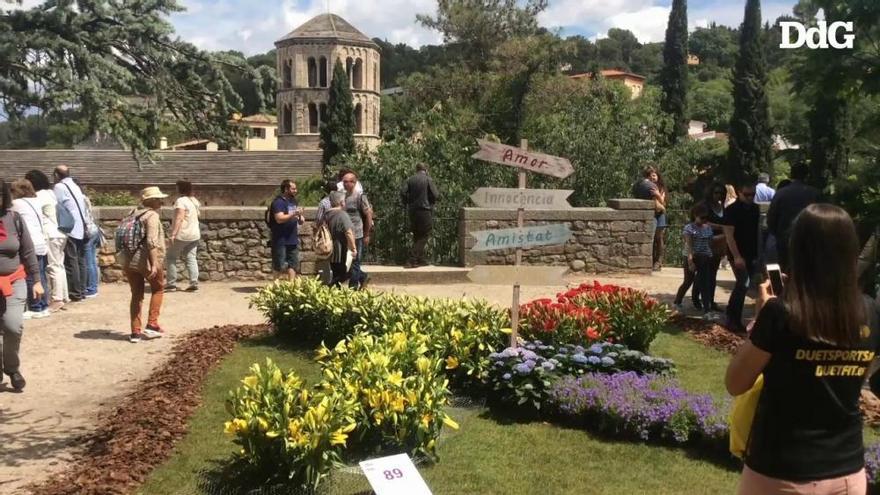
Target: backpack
x=268, y=217
x=323, y=242
x=130, y=233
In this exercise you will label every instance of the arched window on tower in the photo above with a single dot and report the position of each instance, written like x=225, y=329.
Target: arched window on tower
x=358, y=119
x=349, y=66
x=322, y=114
x=376, y=76
x=288, y=74
x=322, y=69
x=376, y=122
x=313, y=118
x=287, y=119
x=357, y=76
x=313, y=73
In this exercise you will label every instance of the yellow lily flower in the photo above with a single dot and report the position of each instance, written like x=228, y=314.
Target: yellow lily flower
x=449, y=422
x=338, y=438
x=451, y=362
x=250, y=381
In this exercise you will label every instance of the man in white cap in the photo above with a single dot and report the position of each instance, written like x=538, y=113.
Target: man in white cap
x=143, y=260
x=763, y=192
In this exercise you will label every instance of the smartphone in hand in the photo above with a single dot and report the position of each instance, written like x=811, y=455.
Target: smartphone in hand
x=775, y=275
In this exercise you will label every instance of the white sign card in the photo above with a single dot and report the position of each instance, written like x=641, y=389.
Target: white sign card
x=394, y=475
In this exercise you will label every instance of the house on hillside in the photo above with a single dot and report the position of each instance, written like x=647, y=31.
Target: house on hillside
x=693, y=60
x=697, y=131
x=634, y=82
x=262, y=131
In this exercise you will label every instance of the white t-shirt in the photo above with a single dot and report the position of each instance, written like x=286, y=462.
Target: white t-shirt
x=50, y=214
x=31, y=212
x=189, y=228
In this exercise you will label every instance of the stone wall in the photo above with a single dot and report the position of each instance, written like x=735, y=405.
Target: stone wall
x=614, y=239
x=233, y=244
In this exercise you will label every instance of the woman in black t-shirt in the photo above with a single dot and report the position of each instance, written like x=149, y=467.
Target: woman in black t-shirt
x=814, y=346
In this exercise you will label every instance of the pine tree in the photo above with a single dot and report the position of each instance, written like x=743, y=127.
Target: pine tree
x=337, y=129
x=120, y=67
x=750, y=134
x=673, y=76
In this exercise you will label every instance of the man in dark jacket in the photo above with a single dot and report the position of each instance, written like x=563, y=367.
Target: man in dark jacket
x=419, y=195
x=786, y=205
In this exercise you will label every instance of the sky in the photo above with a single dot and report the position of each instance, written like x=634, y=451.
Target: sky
x=252, y=26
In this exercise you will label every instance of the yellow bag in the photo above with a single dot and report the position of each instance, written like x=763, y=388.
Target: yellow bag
x=741, y=416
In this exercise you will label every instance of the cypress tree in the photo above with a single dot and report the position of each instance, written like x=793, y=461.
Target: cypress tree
x=673, y=76
x=750, y=134
x=337, y=129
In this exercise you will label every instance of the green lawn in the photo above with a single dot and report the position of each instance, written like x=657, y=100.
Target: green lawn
x=487, y=455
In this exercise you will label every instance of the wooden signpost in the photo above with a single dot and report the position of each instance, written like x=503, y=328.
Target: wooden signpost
x=533, y=199
x=520, y=237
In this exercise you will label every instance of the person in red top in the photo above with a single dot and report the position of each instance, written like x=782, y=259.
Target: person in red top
x=17, y=261
x=814, y=345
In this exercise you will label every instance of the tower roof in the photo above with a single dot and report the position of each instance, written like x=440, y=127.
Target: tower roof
x=327, y=27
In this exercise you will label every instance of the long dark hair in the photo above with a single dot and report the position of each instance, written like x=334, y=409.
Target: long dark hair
x=5, y=198
x=822, y=294
x=38, y=180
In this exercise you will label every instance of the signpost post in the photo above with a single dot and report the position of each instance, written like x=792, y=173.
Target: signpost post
x=520, y=237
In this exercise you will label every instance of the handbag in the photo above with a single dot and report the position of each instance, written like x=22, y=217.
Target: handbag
x=742, y=414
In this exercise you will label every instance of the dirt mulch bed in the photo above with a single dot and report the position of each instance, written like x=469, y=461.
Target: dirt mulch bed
x=709, y=334
x=140, y=433
x=717, y=337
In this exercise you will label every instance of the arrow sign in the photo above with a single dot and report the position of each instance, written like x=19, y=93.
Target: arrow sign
x=523, y=237
x=530, y=199
x=516, y=157
x=522, y=275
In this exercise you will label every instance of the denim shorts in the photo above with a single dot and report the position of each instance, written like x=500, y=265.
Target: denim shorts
x=285, y=257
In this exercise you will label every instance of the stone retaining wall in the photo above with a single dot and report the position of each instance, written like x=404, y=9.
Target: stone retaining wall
x=233, y=245
x=614, y=239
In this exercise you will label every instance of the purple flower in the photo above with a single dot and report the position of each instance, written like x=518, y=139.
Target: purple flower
x=593, y=360
x=596, y=349
x=523, y=369
x=580, y=358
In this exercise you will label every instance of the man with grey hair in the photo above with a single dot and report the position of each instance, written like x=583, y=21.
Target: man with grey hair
x=763, y=192
x=342, y=233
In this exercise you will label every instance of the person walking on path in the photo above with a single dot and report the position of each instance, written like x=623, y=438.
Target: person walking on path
x=814, y=345
x=94, y=241
x=341, y=231
x=185, y=236
x=698, y=237
x=17, y=261
x=361, y=214
x=71, y=198
x=741, y=220
x=419, y=195
x=325, y=270
x=650, y=187
x=28, y=207
x=763, y=192
x=285, y=217
x=146, y=264
x=785, y=207
x=56, y=240
x=715, y=205
x=689, y=278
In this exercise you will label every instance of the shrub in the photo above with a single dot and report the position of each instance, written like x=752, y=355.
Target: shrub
x=648, y=407
x=634, y=317
x=563, y=322
x=463, y=332
x=522, y=376
x=285, y=430
x=872, y=465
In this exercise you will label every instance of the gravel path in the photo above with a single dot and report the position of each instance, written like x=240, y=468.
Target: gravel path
x=79, y=362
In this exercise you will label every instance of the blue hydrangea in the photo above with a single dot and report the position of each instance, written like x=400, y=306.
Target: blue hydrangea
x=523, y=369
x=607, y=361
x=596, y=349
x=499, y=364
x=529, y=355
x=612, y=355
x=548, y=365
x=593, y=360
x=580, y=358
x=537, y=342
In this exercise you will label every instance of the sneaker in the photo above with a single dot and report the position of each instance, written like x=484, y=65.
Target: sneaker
x=28, y=314
x=170, y=288
x=152, y=334
x=91, y=296
x=192, y=288
x=42, y=314
x=134, y=338
x=17, y=380
x=155, y=328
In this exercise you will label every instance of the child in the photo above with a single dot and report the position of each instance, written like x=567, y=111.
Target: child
x=689, y=275
x=698, y=237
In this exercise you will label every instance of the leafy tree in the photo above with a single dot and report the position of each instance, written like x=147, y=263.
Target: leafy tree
x=750, y=134
x=714, y=45
x=711, y=102
x=674, y=75
x=120, y=66
x=479, y=26
x=337, y=131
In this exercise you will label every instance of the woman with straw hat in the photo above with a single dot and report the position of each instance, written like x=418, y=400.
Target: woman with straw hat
x=145, y=262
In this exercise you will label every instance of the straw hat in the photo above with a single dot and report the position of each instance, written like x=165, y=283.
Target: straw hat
x=152, y=192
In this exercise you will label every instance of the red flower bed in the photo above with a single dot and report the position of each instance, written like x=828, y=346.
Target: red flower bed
x=563, y=323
